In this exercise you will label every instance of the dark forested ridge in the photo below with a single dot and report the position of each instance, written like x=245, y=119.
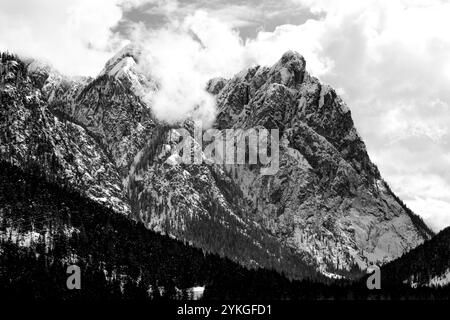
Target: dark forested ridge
x=419, y=266
x=121, y=259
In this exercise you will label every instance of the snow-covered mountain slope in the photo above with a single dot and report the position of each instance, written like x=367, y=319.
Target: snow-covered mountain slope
x=33, y=137
x=440, y=280
x=326, y=208
x=123, y=66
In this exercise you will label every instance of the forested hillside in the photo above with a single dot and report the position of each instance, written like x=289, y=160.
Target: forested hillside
x=45, y=228
x=428, y=264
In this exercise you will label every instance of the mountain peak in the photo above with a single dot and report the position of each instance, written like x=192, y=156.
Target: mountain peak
x=124, y=67
x=292, y=56
x=122, y=61
x=289, y=70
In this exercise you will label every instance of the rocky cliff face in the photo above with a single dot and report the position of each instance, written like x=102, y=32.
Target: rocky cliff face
x=328, y=198
x=326, y=208
x=35, y=138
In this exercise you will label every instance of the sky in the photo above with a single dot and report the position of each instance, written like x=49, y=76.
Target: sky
x=388, y=59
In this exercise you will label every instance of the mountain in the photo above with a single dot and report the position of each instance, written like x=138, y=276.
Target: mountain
x=327, y=208
x=328, y=198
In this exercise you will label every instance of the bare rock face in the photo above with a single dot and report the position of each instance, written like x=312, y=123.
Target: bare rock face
x=328, y=198
x=327, y=208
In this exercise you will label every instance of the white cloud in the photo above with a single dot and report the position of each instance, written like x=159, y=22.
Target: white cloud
x=436, y=213
x=190, y=50
x=74, y=35
x=182, y=57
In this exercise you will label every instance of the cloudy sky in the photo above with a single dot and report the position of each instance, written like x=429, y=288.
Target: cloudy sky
x=390, y=61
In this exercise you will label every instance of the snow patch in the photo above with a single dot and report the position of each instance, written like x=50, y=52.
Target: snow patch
x=440, y=281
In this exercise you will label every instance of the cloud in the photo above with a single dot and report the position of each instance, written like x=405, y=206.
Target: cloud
x=436, y=213
x=74, y=35
x=182, y=57
x=189, y=50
